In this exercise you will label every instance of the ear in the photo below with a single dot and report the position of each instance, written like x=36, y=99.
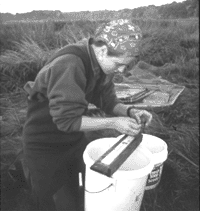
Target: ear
x=104, y=50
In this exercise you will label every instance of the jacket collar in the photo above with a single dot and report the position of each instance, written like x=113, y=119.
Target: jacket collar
x=95, y=65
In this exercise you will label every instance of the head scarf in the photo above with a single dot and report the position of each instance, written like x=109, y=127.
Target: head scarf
x=120, y=35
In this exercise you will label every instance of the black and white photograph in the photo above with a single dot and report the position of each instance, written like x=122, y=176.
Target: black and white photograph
x=99, y=105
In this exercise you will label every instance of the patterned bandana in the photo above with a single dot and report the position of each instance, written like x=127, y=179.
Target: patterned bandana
x=121, y=36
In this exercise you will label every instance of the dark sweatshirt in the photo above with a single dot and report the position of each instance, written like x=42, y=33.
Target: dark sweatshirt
x=60, y=94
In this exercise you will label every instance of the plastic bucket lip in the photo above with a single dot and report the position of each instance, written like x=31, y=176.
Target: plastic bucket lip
x=158, y=157
x=122, y=174
x=138, y=173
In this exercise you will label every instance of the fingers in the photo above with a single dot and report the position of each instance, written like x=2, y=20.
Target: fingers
x=138, y=114
x=134, y=128
x=137, y=117
x=148, y=117
x=131, y=127
x=132, y=132
x=134, y=124
x=128, y=126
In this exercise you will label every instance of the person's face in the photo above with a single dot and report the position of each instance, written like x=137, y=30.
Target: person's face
x=115, y=64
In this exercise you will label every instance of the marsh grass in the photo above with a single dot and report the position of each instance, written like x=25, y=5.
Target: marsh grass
x=173, y=46
x=26, y=46
x=22, y=64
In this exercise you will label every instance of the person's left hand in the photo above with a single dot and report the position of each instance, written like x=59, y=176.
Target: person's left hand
x=139, y=114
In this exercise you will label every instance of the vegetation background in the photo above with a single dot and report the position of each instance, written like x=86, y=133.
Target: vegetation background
x=185, y=9
x=169, y=46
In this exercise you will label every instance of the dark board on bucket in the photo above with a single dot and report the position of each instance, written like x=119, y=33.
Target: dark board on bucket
x=114, y=157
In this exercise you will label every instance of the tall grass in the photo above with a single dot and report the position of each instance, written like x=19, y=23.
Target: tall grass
x=45, y=33
x=26, y=46
x=24, y=55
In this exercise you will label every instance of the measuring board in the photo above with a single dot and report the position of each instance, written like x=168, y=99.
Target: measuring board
x=114, y=157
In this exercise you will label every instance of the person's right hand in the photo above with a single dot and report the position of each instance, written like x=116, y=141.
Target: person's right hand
x=126, y=125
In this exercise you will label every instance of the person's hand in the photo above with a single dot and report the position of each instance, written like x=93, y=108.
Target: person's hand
x=126, y=125
x=141, y=115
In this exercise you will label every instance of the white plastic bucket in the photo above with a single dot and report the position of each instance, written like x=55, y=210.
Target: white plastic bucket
x=159, y=150
x=124, y=191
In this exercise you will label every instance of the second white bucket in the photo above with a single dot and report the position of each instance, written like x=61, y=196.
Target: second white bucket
x=158, y=148
x=125, y=190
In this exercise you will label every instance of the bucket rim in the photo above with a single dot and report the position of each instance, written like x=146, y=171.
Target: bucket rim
x=158, y=157
x=123, y=174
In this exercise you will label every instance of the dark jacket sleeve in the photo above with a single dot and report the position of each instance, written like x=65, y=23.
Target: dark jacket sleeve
x=108, y=98
x=66, y=92
x=63, y=82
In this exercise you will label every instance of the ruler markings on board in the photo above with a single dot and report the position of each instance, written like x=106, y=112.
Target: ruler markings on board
x=113, y=154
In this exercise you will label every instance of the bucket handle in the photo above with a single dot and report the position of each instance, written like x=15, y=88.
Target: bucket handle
x=100, y=190
x=81, y=184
